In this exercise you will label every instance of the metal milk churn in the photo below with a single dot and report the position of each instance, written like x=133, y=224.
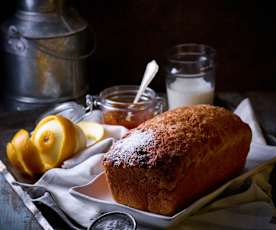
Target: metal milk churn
x=44, y=48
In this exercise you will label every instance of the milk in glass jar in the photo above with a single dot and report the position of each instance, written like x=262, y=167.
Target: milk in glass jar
x=190, y=75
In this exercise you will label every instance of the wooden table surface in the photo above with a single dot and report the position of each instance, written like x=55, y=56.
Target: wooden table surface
x=13, y=215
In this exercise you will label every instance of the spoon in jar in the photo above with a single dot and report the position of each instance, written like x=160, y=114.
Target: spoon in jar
x=150, y=72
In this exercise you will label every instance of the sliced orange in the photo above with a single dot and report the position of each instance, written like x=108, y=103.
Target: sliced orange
x=93, y=131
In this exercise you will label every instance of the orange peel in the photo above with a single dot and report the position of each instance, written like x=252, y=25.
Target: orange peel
x=57, y=139
x=54, y=140
x=23, y=154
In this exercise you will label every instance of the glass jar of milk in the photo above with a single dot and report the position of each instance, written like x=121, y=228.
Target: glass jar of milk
x=190, y=75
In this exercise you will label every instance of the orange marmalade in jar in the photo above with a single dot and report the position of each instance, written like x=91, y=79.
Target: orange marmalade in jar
x=117, y=107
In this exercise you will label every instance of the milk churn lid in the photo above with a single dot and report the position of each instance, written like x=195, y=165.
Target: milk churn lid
x=44, y=19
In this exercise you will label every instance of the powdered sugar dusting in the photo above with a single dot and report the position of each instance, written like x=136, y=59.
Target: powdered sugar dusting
x=131, y=150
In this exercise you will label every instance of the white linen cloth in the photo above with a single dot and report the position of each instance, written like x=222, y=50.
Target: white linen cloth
x=246, y=113
x=251, y=208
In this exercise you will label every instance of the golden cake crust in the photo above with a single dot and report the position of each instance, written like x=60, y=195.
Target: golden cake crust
x=180, y=132
x=169, y=161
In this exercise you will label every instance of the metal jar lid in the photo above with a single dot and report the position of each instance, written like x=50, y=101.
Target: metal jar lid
x=113, y=220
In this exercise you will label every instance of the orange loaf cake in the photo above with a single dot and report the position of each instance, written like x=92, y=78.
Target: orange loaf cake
x=168, y=162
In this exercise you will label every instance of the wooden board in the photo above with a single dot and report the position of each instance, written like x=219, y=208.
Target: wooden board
x=17, y=206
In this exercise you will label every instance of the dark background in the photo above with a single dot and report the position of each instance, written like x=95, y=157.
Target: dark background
x=131, y=33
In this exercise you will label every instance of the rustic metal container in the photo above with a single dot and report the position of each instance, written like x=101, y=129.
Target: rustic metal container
x=45, y=46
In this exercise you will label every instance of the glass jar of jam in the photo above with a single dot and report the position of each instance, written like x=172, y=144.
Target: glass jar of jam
x=117, y=107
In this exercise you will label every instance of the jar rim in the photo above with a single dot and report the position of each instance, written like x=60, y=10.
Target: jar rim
x=189, y=48
x=120, y=90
